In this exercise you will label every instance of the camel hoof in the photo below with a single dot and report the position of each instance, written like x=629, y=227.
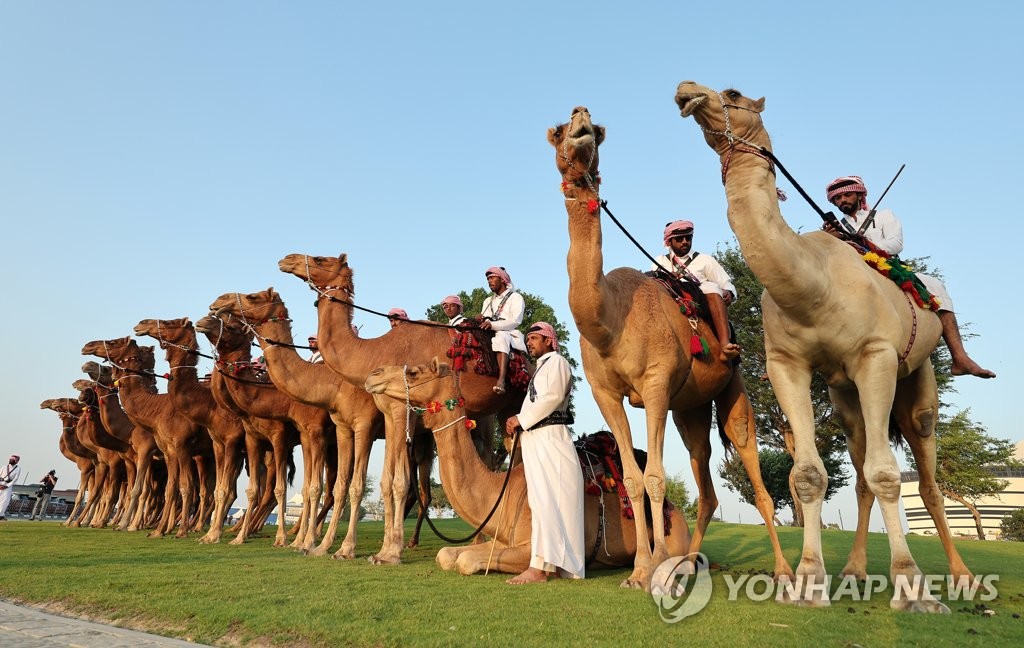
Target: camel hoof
x=237, y=541
x=412, y=544
x=377, y=559
x=209, y=540
x=927, y=605
x=343, y=555
x=629, y=583
x=317, y=552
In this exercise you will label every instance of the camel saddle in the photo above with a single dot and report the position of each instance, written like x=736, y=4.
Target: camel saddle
x=475, y=344
x=692, y=301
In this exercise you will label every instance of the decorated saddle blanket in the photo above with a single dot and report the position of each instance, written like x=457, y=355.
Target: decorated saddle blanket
x=475, y=344
x=890, y=265
x=602, y=471
x=693, y=304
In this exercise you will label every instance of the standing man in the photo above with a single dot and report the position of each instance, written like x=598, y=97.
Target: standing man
x=503, y=313
x=8, y=476
x=885, y=231
x=315, y=348
x=554, y=481
x=452, y=307
x=705, y=271
x=48, y=481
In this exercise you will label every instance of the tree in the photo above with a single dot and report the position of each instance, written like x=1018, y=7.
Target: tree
x=677, y=493
x=536, y=310
x=773, y=429
x=366, y=506
x=1012, y=526
x=964, y=457
x=438, y=499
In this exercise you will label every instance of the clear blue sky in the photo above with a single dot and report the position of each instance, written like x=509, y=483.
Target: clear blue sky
x=156, y=155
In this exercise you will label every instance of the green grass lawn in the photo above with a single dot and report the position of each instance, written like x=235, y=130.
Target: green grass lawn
x=257, y=594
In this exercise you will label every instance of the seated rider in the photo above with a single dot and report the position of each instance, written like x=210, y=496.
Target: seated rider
x=704, y=270
x=452, y=307
x=503, y=313
x=396, y=316
x=885, y=232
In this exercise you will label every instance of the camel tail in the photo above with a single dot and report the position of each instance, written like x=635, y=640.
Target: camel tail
x=895, y=436
x=720, y=424
x=291, y=470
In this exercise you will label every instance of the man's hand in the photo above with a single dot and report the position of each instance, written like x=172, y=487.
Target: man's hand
x=485, y=324
x=511, y=425
x=833, y=231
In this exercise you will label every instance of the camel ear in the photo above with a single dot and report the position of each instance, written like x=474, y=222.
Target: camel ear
x=554, y=134
x=343, y=257
x=759, y=104
x=598, y=134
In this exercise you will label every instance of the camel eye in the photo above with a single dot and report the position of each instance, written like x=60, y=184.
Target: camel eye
x=733, y=94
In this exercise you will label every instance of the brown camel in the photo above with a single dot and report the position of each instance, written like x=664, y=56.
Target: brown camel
x=356, y=418
x=472, y=487
x=69, y=409
x=635, y=344
x=825, y=310
x=175, y=435
x=195, y=400
x=315, y=430
x=144, y=450
x=111, y=453
x=354, y=358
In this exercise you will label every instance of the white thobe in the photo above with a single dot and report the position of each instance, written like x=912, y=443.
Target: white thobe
x=9, y=476
x=458, y=319
x=506, y=313
x=554, y=480
x=886, y=233
x=708, y=272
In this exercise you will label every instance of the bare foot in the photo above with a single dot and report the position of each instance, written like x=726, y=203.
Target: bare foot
x=499, y=388
x=968, y=367
x=730, y=350
x=530, y=575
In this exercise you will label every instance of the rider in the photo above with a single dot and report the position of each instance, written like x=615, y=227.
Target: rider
x=502, y=313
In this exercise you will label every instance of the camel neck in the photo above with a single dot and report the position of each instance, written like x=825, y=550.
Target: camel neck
x=585, y=263
x=311, y=383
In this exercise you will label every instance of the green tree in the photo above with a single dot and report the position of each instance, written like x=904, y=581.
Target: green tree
x=773, y=429
x=438, y=499
x=964, y=457
x=364, y=506
x=677, y=493
x=1012, y=526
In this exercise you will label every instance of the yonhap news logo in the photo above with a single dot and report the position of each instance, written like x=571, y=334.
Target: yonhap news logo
x=682, y=586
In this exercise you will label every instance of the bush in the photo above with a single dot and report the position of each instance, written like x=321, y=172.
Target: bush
x=1012, y=526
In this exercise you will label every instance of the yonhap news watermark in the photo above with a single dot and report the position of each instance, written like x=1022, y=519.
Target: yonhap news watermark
x=682, y=586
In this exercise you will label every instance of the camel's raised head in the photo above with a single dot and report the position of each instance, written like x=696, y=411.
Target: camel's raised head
x=576, y=144
x=86, y=392
x=82, y=384
x=97, y=372
x=226, y=332
x=722, y=115
x=254, y=308
x=321, y=272
x=107, y=349
x=164, y=330
x=419, y=383
x=65, y=407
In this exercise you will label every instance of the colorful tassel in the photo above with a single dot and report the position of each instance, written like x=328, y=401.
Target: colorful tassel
x=696, y=345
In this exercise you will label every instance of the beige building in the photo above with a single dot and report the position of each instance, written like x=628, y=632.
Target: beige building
x=992, y=509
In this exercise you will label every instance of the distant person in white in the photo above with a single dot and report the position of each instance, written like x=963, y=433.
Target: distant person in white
x=503, y=313
x=554, y=481
x=314, y=346
x=8, y=477
x=885, y=232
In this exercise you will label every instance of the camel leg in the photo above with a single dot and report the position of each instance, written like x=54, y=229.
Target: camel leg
x=610, y=404
x=186, y=490
x=473, y=559
x=694, y=426
x=344, y=436
x=847, y=406
x=101, y=495
x=311, y=475
x=423, y=457
x=356, y=487
x=791, y=381
x=394, y=483
x=737, y=415
x=916, y=409
x=875, y=377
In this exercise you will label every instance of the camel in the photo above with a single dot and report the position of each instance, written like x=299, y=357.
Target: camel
x=354, y=358
x=357, y=419
x=142, y=454
x=311, y=426
x=635, y=344
x=825, y=310
x=195, y=400
x=111, y=452
x=175, y=435
x=69, y=410
x=472, y=487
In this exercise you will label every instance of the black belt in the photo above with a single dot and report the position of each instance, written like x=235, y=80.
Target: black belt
x=554, y=418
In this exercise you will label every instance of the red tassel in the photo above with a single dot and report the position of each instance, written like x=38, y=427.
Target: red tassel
x=696, y=348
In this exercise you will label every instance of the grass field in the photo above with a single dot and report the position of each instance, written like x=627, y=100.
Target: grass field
x=255, y=594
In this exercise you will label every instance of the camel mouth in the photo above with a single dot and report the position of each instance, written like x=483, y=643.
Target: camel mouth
x=374, y=386
x=688, y=103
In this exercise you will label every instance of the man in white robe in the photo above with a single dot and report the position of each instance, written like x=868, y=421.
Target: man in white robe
x=8, y=478
x=452, y=307
x=554, y=480
x=502, y=313
x=885, y=231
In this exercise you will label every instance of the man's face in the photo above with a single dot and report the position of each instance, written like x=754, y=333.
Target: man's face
x=681, y=244
x=848, y=202
x=313, y=344
x=451, y=310
x=537, y=344
x=496, y=284
x=395, y=322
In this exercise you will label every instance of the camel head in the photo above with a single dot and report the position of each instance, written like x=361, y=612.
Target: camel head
x=321, y=272
x=110, y=349
x=254, y=308
x=98, y=373
x=86, y=392
x=420, y=383
x=175, y=331
x=65, y=407
x=576, y=146
x=722, y=115
x=226, y=332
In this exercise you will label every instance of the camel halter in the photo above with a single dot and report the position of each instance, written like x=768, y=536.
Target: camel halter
x=508, y=473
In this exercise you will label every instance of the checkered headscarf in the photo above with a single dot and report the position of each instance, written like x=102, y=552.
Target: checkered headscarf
x=845, y=184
